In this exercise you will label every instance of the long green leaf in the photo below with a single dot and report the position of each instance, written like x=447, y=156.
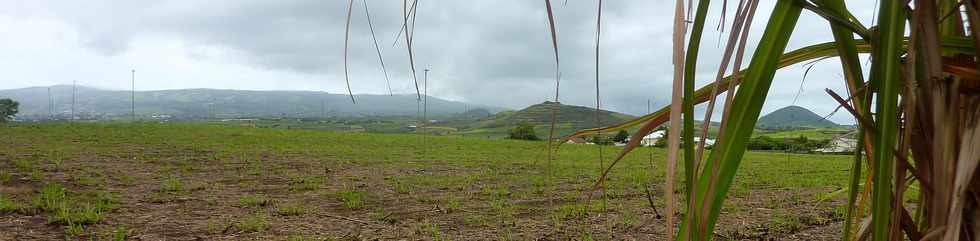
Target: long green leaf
x=848, y=55
x=659, y=117
x=651, y=121
x=812, y=52
x=714, y=187
x=956, y=45
x=885, y=77
x=690, y=69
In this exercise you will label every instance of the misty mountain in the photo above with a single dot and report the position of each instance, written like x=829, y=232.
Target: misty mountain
x=220, y=103
x=792, y=117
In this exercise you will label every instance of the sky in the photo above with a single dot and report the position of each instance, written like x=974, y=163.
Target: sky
x=493, y=52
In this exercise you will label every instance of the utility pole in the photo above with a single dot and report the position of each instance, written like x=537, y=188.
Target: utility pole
x=425, y=107
x=133, y=79
x=73, y=84
x=50, y=109
x=648, y=106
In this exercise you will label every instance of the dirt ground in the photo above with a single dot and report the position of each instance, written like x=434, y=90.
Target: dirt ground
x=208, y=210
x=171, y=193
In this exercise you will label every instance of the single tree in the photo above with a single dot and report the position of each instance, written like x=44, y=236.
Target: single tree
x=662, y=141
x=8, y=109
x=523, y=131
x=621, y=136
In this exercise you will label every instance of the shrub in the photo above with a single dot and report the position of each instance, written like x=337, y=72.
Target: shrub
x=621, y=136
x=523, y=131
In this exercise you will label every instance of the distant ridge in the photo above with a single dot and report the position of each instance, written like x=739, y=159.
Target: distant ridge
x=577, y=117
x=793, y=117
x=199, y=103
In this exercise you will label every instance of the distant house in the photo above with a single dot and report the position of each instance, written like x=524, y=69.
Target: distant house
x=576, y=140
x=840, y=144
x=707, y=141
x=652, y=138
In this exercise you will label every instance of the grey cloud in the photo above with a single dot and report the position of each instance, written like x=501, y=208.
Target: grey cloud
x=490, y=52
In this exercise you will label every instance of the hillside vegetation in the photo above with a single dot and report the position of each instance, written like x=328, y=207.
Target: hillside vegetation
x=570, y=118
x=793, y=117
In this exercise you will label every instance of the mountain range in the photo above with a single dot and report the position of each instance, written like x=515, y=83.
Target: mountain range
x=95, y=103
x=37, y=103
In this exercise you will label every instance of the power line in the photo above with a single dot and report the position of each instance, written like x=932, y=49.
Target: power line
x=425, y=107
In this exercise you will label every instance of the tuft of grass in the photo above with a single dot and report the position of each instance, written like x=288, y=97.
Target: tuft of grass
x=572, y=211
x=25, y=164
x=353, y=199
x=56, y=163
x=36, y=175
x=82, y=215
x=172, y=185
x=9, y=205
x=253, y=223
x=306, y=183
x=5, y=177
x=290, y=209
x=628, y=219
x=216, y=227
x=379, y=214
x=74, y=210
x=430, y=229
x=50, y=197
x=119, y=234
x=73, y=229
x=786, y=223
x=254, y=200
x=402, y=187
x=453, y=205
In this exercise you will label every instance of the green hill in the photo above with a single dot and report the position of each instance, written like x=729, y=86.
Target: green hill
x=570, y=118
x=567, y=114
x=792, y=117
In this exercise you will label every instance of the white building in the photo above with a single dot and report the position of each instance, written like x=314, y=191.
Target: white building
x=840, y=144
x=707, y=141
x=651, y=139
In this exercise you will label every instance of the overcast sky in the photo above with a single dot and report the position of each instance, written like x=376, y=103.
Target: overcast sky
x=495, y=52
